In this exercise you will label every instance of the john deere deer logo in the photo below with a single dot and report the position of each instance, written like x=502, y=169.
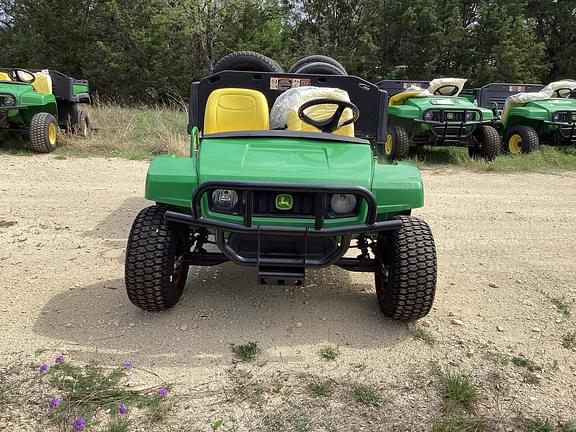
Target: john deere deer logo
x=284, y=202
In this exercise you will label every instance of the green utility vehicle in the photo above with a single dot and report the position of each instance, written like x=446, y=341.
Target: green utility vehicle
x=282, y=199
x=39, y=102
x=531, y=114
x=422, y=113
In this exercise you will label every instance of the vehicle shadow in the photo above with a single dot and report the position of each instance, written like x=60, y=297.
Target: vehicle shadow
x=116, y=226
x=221, y=306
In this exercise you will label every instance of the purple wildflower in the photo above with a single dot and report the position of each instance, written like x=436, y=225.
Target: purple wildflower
x=163, y=392
x=54, y=403
x=127, y=365
x=79, y=424
x=122, y=409
x=59, y=359
x=44, y=368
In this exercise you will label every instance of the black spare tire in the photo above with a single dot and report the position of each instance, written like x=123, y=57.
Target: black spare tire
x=319, y=68
x=317, y=59
x=246, y=61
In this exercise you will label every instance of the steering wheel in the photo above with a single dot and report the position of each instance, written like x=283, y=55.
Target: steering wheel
x=446, y=90
x=333, y=123
x=16, y=75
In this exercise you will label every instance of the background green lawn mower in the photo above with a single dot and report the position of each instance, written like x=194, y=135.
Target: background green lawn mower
x=531, y=114
x=38, y=103
x=422, y=113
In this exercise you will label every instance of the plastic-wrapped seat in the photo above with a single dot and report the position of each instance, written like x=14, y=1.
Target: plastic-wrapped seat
x=284, y=113
x=236, y=109
x=43, y=82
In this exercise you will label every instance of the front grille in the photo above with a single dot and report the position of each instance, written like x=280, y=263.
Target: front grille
x=452, y=116
x=566, y=117
x=265, y=204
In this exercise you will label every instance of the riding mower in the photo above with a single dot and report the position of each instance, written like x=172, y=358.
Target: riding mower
x=281, y=178
x=532, y=114
x=39, y=102
x=437, y=116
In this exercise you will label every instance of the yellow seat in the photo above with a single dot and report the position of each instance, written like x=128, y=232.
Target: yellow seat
x=321, y=112
x=43, y=82
x=402, y=97
x=4, y=76
x=236, y=109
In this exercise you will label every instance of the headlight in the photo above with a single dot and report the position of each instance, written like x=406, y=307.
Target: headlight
x=555, y=117
x=429, y=116
x=470, y=116
x=343, y=203
x=224, y=199
x=9, y=101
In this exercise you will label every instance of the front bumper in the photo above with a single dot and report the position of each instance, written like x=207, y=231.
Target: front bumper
x=453, y=132
x=566, y=131
x=343, y=233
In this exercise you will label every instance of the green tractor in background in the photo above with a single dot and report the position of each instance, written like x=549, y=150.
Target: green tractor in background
x=422, y=113
x=531, y=114
x=40, y=102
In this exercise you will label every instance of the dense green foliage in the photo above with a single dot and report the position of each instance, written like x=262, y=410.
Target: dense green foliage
x=150, y=49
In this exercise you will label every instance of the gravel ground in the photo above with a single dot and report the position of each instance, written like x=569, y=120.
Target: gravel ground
x=506, y=246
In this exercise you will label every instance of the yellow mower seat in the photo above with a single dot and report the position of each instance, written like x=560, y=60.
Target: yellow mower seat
x=236, y=109
x=402, y=97
x=4, y=77
x=43, y=82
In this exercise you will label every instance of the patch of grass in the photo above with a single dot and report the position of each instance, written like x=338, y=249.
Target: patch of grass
x=320, y=388
x=246, y=352
x=546, y=159
x=568, y=426
x=366, y=395
x=460, y=425
x=536, y=425
x=424, y=335
x=458, y=392
x=328, y=353
x=569, y=340
x=295, y=422
x=498, y=358
x=126, y=132
x=562, y=305
x=524, y=362
x=83, y=391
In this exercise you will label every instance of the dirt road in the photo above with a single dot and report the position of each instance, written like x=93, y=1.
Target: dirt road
x=506, y=246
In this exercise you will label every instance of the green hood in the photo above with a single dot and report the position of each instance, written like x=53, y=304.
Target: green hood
x=553, y=105
x=286, y=160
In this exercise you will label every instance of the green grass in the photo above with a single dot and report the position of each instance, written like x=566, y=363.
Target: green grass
x=320, y=388
x=460, y=425
x=366, y=395
x=458, y=392
x=246, y=352
x=498, y=358
x=536, y=425
x=130, y=133
x=569, y=340
x=424, y=335
x=568, y=426
x=328, y=353
x=524, y=362
x=547, y=158
x=88, y=390
x=562, y=306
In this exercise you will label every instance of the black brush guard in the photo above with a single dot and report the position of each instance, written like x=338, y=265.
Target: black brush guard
x=285, y=268
x=567, y=129
x=453, y=132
